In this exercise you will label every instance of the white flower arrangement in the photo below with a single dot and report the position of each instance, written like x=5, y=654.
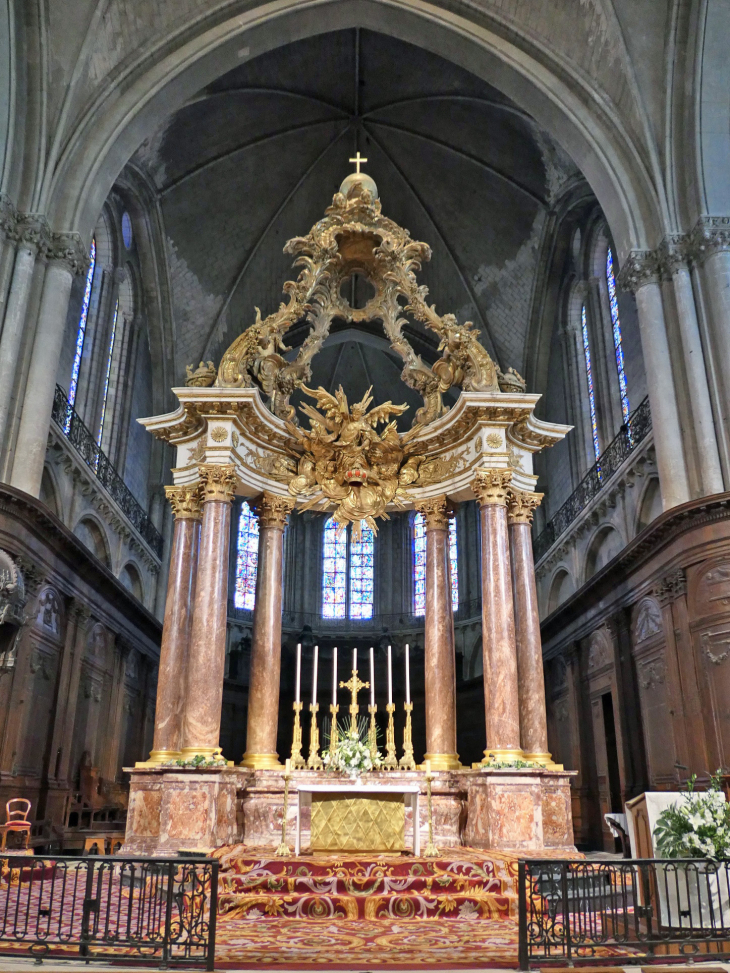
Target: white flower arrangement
x=698, y=827
x=352, y=756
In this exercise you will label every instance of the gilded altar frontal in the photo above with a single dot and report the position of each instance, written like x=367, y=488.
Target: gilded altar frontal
x=364, y=531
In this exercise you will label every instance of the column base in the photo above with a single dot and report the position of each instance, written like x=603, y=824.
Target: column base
x=442, y=761
x=543, y=759
x=502, y=754
x=190, y=753
x=159, y=757
x=261, y=761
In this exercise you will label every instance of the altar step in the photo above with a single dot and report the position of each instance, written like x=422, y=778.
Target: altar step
x=463, y=884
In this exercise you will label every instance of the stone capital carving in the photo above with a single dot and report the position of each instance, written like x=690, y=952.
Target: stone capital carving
x=30, y=231
x=710, y=235
x=671, y=587
x=272, y=510
x=436, y=512
x=218, y=482
x=675, y=252
x=32, y=575
x=185, y=502
x=67, y=248
x=7, y=214
x=521, y=506
x=492, y=486
x=641, y=267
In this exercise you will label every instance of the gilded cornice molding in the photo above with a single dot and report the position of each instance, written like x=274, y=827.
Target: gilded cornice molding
x=521, y=506
x=218, y=482
x=272, y=510
x=492, y=486
x=641, y=267
x=437, y=511
x=185, y=502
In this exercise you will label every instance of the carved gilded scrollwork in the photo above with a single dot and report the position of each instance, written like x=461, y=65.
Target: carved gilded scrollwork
x=492, y=486
x=218, y=482
x=185, y=501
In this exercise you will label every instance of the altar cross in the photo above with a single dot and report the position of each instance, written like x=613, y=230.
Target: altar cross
x=357, y=160
x=354, y=685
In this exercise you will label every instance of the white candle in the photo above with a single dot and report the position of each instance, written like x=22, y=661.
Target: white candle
x=408, y=674
x=372, y=676
x=334, y=676
x=354, y=660
x=314, y=675
x=299, y=670
x=288, y=766
x=390, y=679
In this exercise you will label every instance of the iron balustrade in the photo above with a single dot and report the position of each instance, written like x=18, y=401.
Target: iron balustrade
x=631, y=910
x=629, y=436
x=73, y=428
x=159, y=911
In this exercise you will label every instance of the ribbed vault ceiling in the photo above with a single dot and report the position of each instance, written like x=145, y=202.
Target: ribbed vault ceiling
x=256, y=158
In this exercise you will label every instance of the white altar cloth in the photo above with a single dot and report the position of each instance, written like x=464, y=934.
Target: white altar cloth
x=409, y=792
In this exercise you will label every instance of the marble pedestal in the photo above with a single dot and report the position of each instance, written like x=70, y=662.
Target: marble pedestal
x=505, y=810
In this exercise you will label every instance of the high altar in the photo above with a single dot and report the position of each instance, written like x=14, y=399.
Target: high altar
x=235, y=432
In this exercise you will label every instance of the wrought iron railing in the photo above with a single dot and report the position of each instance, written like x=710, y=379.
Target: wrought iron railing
x=73, y=428
x=629, y=436
x=375, y=624
x=110, y=909
x=632, y=910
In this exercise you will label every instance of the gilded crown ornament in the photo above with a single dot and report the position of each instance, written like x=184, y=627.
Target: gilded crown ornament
x=203, y=376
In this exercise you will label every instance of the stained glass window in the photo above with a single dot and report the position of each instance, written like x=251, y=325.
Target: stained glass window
x=616, y=326
x=108, y=372
x=589, y=374
x=247, y=558
x=334, y=573
x=81, y=332
x=419, y=565
x=362, y=553
x=454, y=562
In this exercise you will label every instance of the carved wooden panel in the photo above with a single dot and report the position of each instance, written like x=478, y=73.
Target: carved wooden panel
x=711, y=589
x=712, y=647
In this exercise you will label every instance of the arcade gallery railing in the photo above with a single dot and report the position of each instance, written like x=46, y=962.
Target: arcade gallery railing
x=622, y=912
x=113, y=909
x=73, y=428
x=629, y=436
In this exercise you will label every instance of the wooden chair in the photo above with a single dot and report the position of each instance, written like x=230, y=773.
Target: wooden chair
x=16, y=812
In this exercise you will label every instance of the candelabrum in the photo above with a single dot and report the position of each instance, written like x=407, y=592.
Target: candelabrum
x=315, y=761
x=334, y=733
x=390, y=762
x=431, y=849
x=406, y=761
x=373, y=733
x=283, y=850
x=297, y=760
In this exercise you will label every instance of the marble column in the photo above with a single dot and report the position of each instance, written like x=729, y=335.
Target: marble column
x=440, y=663
x=66, y=258
x=533, y=715
x=263, y=685
x=501, y=695
x=175, y=647
x=201, y=719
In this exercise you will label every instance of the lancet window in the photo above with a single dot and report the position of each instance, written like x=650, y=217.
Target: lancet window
x=81, y=332
x=247, y=558
x=348, y=572
x=110, y=356
x=419, y=564
x=589, y=376
x=616, y=328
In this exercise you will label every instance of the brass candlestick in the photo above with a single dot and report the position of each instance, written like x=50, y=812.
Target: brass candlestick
x=373, y=733
x=334, y=732
x=297, y=760
x=315, y=761
x=390, y=762
x=283, y=850
x=406, y=761
x=354, y=685
x=431, y=849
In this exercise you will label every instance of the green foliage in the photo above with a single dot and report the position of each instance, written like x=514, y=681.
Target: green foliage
x=696, y=827
x=353, y=754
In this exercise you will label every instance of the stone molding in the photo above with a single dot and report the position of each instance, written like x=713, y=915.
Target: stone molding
x=31, y=230
x=437, y=512
x=710, y=235
x=185, y=502
x=492, y=487
x=670, y=588
x=218, y=482
x=272, y=510
x=521, y=506
x=641, y=267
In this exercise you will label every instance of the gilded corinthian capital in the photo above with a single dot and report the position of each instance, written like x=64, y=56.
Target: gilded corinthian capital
x=272, y=510
x=436, y=512
x=521, y=505
x=218, y=481
x=492, y=486
x=185, y=501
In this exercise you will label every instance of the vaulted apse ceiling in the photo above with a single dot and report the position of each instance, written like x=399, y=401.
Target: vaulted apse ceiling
x=256, y=157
